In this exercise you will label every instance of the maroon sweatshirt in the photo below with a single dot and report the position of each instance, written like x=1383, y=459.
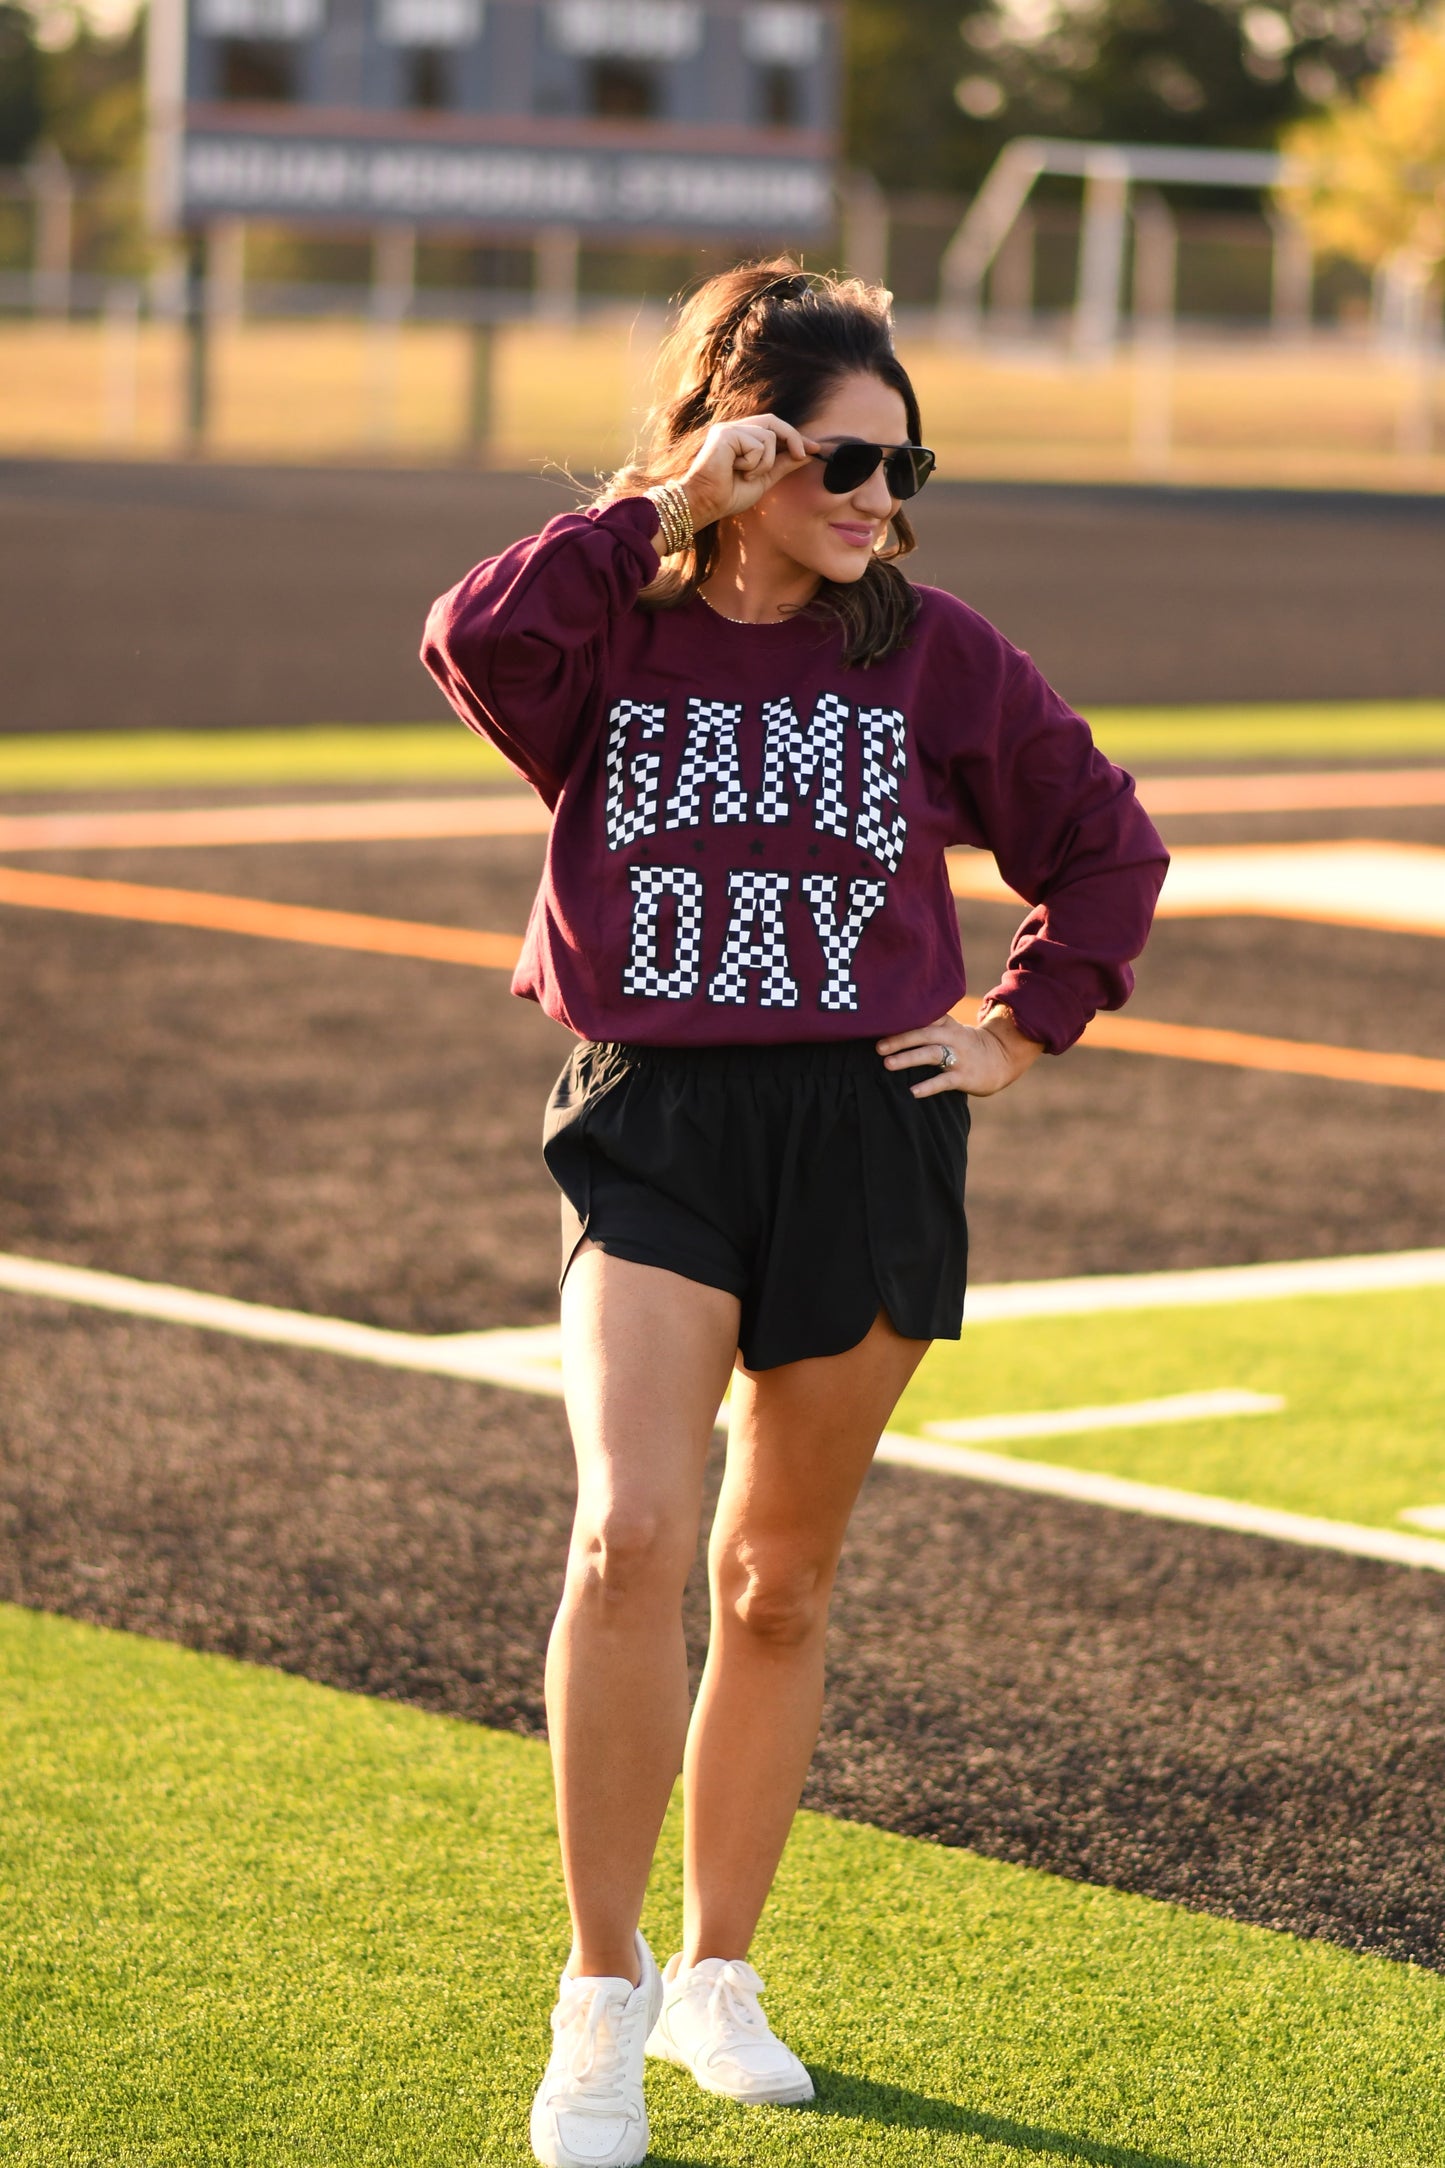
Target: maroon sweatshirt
x=748, y=837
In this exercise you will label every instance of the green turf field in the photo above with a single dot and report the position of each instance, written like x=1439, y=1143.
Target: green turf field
x=1361, y=1436
x=226, y=759
x=254, y=1921
x=1307, y=730
x=425, y=752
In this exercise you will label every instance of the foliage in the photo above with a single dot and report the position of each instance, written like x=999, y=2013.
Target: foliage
x=934, y=91
x=95, y=100
x=1371, y=171
x=21, y=101
x=900, y=121
x=64, y=84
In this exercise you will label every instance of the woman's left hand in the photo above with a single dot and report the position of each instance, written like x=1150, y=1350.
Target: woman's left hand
x=987, y=1057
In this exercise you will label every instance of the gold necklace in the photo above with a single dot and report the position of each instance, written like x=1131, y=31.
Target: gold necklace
x=762, y=623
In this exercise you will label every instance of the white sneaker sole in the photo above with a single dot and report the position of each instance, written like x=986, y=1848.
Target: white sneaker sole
x=781, y=2093
x=548, y=2148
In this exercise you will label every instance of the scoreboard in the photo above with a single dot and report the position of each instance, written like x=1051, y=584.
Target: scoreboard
x=649, y=119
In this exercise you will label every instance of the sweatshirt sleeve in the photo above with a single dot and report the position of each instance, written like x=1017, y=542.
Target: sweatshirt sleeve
x=1070, y=836
x=517, y=645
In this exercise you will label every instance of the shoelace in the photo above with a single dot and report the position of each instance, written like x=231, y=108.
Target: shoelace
x=733, y=1999
x=591, y=2033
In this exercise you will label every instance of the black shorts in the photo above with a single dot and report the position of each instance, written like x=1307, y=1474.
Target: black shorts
x=804, y=1179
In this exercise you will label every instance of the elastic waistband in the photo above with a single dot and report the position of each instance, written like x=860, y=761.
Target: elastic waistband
x=788, y=1058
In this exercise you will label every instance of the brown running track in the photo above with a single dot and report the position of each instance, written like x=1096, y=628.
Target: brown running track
x=494, y=951
x=179, y=597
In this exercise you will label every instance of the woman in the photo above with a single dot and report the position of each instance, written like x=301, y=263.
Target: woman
x=758, y=739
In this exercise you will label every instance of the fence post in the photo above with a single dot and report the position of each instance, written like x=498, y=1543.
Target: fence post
x=1156, y=260
x=1291, y=276
x=197, y=416
x=1101, y=255
x=54, y=196
x=393, y=284
x=226, y=270
x=864, y=224
x=122, y=362
x=1011, y=283
x=481, y=391
x=1416, y=328
x=557, y=255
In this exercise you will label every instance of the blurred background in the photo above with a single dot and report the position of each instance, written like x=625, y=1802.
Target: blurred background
x=1188, y=240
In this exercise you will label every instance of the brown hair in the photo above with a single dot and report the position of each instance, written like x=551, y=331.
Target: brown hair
x=769, y=338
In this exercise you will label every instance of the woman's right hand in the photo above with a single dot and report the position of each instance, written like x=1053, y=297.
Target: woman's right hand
x=738, y=462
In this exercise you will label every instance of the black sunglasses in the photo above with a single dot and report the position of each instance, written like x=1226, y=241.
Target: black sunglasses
x=906, y=467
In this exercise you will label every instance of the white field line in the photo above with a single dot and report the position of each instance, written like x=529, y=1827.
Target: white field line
x=1157, y=1500
x=1430, y=1517
x=1124, y=1415
x=1344, y=789
x=529, y=1361
x=1206, y=1284
x=350, y=820
x=1399, y=887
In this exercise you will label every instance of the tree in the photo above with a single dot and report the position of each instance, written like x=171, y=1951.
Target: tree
x=1369, y=175
x=936, y=90
x=901, y=122
x=94, y=98
x=22, y=110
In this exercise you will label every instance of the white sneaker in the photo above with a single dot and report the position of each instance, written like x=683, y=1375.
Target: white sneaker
x=712, y=2023
x=588, y=2111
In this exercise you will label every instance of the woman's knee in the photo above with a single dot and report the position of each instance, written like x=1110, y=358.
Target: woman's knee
x=629, y=1553
x=777, y=1595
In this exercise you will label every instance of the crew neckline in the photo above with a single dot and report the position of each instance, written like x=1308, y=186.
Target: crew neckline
x=800, y=621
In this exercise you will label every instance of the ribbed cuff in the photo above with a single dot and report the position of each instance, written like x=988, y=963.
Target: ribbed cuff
x=635, y=516
x=1042, y=1009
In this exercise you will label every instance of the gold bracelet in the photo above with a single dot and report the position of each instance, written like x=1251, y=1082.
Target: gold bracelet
x=675, y=513
x=674, y=516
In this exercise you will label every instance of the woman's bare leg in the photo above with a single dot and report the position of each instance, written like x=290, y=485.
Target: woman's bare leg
x=646, y=1356
x=801, y=1440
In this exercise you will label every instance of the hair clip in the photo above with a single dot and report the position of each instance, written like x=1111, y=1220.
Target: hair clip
x=798, y=283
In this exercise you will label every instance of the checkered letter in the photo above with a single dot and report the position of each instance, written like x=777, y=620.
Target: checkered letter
x=840, y=943
x=642, y=974
x=812, y=759
x=885, y=756
x=756, y=940
x=629, y=823
x=710, y=755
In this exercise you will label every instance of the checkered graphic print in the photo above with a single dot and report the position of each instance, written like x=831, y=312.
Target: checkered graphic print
x=710, y=755
x=882, y=728
x=840, y=943
x=756, y=940
x=629, y=823
x=813, y=757
x=642, y=974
